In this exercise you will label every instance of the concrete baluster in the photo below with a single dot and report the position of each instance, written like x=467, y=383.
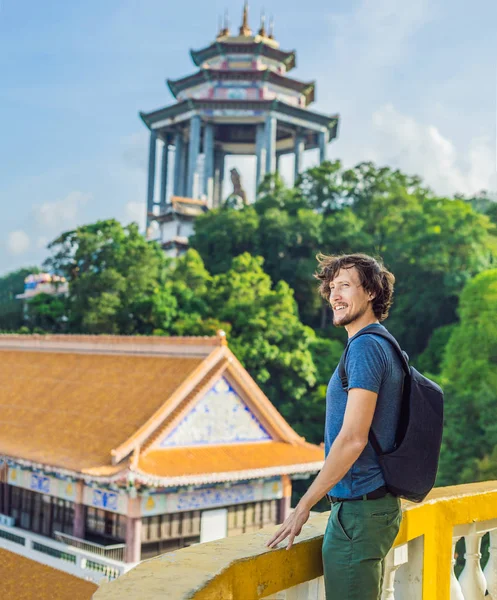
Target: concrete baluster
x=395, y=558
x=316, y=589
x=472, y=580
x=490, y=571
x=455, y=586
x=408, y=581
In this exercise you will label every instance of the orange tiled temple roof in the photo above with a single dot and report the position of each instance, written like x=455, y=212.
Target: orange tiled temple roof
x=25, y=579
x=70, y=410
x=95, y=405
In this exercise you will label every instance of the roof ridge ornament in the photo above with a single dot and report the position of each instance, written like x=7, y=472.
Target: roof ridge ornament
x=224, y=27
x=262, y=30
x=271, y=28
x=245, y=28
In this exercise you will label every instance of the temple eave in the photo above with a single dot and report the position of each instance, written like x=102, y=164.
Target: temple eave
x=261, y=47
x=190, y=81
x=230, y=476
x=170, y=116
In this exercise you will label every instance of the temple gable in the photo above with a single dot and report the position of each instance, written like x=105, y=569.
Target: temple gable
x=219, y=417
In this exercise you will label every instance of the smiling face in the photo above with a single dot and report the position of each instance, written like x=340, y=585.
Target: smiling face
x=351, y=303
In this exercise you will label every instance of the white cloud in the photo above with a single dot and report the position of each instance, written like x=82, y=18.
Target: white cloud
x=18, y=242
x=419, y=148
x=61, y=214
x=377, y=33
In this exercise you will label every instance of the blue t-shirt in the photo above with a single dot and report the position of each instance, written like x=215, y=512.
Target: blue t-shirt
x=373, y=365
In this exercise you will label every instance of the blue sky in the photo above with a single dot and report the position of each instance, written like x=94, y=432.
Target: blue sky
x=413, y=82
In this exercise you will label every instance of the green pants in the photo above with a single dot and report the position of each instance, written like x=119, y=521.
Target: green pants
x=358, y=536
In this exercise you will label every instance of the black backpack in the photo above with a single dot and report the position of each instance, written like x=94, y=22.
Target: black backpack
x=410, y=469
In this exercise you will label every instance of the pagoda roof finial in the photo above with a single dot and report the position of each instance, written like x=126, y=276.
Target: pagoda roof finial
x=245, y=29
x=271, y=29
x=224, y=30
x=262, y=30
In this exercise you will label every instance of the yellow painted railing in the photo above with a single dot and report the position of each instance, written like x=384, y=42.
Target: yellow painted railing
x=242, y=568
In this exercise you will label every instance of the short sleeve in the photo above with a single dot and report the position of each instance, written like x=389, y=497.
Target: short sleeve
x=366, y=364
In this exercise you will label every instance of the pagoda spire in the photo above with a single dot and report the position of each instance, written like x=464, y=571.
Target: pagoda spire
x=262, y=30
x=224, y=28
x=245, y=28
x=271, y=29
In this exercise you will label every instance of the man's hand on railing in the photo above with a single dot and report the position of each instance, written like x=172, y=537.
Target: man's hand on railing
x=291, y=527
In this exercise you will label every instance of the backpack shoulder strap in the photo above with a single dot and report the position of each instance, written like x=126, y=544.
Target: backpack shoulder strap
x=405, y=366
x=384, y=334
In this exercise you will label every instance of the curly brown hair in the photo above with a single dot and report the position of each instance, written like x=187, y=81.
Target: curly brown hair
x=374, y=278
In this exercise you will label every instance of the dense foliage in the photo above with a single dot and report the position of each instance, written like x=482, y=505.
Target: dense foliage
x=469, y=375
x=11, y=309
x=250, y=272
x=433, y=245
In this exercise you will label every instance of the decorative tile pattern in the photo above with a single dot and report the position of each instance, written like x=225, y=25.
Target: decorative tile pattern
x=220, y=417
x=39, y=482
x=106, y=499
x=216, y=497
x=210, y=497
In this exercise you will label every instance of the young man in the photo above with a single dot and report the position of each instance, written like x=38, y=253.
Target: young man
x=365, y=518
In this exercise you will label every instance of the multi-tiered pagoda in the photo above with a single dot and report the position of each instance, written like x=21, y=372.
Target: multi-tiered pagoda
x=240, y=101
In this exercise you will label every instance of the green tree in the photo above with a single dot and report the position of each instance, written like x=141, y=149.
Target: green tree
x=430, y=360
x=433, y=245
x=11, y=309
x=224, y=233
x=469, y=375
x=114, y=276
x=266, y=333
x=310, y=421
x=47, y=313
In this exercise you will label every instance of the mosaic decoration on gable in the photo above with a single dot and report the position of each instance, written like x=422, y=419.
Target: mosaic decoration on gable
x=220, y=417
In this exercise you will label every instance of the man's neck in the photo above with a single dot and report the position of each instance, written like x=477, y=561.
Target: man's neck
x=358, y=324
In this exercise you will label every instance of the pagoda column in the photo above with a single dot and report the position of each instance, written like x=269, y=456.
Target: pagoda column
x=299, y=154
x=133, y=539
x=260, y=151
x=164, y=174
x=324, y=137
x=193, y=152
x=179, y=144
x=218, y=177
x=79, y=524
x=209, y=163
x=184, y=167
x=278, y=157
x=271, y=124
x=151, y=174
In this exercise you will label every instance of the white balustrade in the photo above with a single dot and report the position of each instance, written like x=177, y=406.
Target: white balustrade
x=52, y=553
x=490, y=571
x=395, y=558
x=408, y=582
x=455, y=586
x=403, y=570
x=309, y=590
x=473, y=582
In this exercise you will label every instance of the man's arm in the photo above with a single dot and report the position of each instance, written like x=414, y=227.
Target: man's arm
x=345, y=450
